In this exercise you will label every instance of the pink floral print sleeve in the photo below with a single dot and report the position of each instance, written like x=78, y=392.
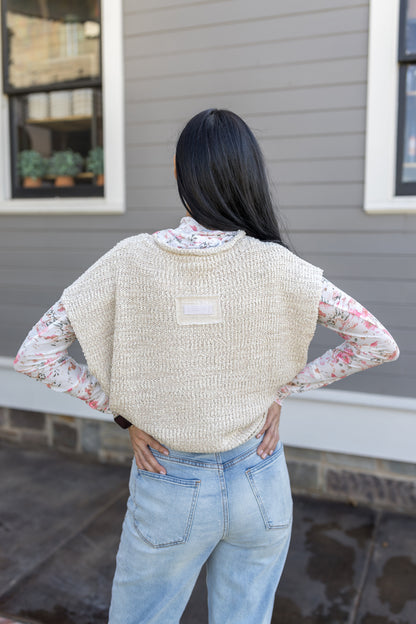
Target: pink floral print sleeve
x=367, y=343
x=44, y=357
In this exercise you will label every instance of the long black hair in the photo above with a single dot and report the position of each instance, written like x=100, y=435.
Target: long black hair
x=221, y=176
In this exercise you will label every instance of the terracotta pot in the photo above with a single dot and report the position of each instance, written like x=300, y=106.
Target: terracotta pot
x=100, y=179
x=64, y=180
x=32, y=182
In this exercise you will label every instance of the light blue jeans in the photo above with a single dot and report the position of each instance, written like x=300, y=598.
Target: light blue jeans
x=230, y=510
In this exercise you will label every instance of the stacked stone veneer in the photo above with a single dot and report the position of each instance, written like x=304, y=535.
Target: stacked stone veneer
x=376, y=482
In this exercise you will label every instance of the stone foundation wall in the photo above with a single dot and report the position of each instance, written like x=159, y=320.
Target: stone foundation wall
x=359, y=480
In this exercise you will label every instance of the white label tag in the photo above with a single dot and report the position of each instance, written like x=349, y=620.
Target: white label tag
x=198, y=310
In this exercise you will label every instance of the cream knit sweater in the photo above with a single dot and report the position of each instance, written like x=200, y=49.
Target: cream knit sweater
x=247, y=309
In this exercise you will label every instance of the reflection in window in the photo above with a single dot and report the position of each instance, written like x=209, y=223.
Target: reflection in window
x=52, y=42
x=410, y=35
x=406, y=123
x=52, y=76
x=409, y=143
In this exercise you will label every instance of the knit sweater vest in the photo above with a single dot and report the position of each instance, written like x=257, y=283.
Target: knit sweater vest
x=191, y=345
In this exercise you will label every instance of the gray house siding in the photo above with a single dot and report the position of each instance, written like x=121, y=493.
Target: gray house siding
x=296, y=72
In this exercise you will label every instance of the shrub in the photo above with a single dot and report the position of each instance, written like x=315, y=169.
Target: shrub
x=65, y=162
x=31, y=164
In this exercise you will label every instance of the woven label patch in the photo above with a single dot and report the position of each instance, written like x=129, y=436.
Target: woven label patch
x=198, y=310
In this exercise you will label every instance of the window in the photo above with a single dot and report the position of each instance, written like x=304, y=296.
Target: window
x=406, y=135
x=52, y=76
x=56, y=115
x=390, y=174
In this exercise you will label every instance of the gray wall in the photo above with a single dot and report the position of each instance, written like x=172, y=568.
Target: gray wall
x=297, y=74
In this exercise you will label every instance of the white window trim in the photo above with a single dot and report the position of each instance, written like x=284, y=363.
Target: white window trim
x=113, y=129
x=382, y=111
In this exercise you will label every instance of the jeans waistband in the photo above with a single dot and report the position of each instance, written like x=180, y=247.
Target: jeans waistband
x=209, y=460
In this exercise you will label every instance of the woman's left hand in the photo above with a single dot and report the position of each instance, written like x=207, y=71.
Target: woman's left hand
x=271, y=427
x=141, y=443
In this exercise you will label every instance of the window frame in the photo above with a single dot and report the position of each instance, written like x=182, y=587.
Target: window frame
x=382, y=117
x=404, y=60
x=113, y=201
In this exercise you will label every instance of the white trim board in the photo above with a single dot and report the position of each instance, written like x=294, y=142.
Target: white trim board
x=19, y=391
x=354, y=423
x=382, y=111
x=113, y=130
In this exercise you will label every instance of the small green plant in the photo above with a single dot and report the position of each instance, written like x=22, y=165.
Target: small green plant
x=31, y=164
x=95, y=160
x=65, y=163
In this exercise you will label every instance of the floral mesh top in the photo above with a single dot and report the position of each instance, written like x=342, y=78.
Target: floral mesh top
x=43, y=354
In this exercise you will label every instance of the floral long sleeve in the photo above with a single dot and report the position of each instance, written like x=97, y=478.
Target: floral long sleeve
x=43, y=355
x=367, y=343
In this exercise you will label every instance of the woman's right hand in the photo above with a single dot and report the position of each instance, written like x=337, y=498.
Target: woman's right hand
x=271, y=431
x=145, y=460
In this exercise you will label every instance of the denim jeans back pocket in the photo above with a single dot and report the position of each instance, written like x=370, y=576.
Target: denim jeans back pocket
x=270, y=484
x=164, y=507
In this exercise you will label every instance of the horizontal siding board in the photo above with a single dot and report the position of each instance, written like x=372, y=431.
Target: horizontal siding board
x=374, y=242
x=286, y=53
x=14, y=260
x=296, y=6
x=56, y=240
x=132, y=222
x=296, y=194
x=132, y=6
x=56, y=277
x=366, y=266
x=302, y=171
x=262, y=17
x=266, y=127
x=339, y=218
x=308, y=122
x=333, y=146
x=325, y=98
x=238, y=34
x=310, y=74
x=277, y=150
x=327, y=194
x=40, y=294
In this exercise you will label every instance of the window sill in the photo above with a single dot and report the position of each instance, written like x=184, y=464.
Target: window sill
x=64, y=206
x=402, y=204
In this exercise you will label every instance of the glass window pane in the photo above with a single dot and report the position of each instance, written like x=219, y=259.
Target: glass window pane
x=58, y=138
x=52, y=41
x=409, y=143
x=410, y=43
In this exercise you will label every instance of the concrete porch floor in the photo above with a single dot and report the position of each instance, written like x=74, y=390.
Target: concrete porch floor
x=60, y=526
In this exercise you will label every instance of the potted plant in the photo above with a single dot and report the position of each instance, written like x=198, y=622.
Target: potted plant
x=64, y=165
x=95, y=164
x=32, y=167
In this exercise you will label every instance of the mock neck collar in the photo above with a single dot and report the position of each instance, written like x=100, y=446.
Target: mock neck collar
x=197, y=250
x=190, y=234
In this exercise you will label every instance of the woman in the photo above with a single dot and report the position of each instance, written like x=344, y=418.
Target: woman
x=193, y=338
